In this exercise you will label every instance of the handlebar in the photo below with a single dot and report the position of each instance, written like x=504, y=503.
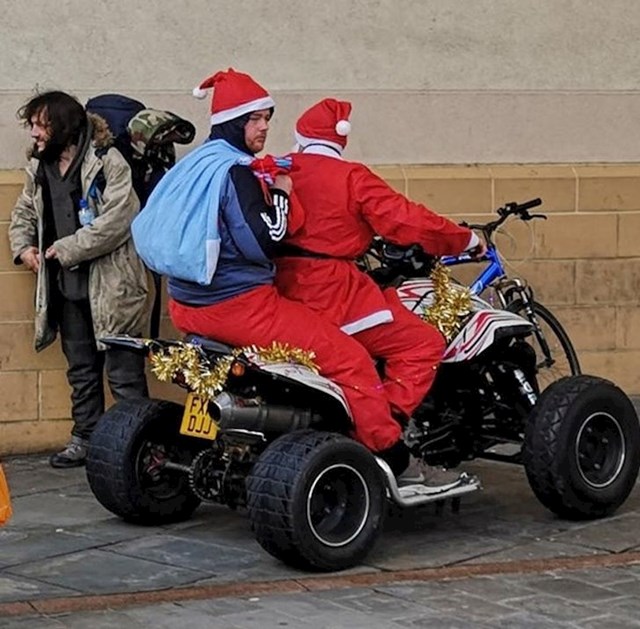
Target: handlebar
x=397, y=259
x=527, y=205
x=521, y=210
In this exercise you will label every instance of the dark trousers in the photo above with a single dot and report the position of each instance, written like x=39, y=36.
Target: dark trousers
x=125, y=369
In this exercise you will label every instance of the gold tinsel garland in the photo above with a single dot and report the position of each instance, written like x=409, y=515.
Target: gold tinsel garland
x=449, y=304
x=283, y=353
x=187, y=361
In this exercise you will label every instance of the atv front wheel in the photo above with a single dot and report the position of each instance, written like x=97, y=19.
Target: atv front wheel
x=125, y=462
x=582, y=447
x=316, y=500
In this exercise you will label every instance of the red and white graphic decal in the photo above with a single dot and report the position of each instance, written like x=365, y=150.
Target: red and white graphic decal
x=480, y=332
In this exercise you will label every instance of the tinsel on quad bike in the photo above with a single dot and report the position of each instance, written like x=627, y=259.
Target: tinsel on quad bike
x=261, y=429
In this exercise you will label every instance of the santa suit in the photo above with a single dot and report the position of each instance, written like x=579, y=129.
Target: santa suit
x=345, y=205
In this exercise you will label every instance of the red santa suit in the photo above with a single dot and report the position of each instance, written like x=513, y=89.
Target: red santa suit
x=345, y=206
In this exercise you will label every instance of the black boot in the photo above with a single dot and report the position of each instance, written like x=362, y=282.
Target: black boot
x=397, y=457
x=74, y=454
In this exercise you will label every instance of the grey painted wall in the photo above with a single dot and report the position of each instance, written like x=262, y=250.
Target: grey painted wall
x=432, y=81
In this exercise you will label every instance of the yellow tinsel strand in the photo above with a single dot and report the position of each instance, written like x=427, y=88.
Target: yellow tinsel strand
x=450, y=303
x=283, y=353
x=186, y=361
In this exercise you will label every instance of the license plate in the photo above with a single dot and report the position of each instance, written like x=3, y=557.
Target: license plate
x=196, y=421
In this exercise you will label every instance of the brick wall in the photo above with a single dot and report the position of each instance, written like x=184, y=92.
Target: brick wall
x=583, y=262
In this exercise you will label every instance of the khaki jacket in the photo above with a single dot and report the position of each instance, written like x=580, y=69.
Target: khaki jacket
x=117, y=277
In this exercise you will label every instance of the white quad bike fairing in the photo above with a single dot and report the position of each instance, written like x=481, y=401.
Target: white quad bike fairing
x=478, y=333
x=305, y=376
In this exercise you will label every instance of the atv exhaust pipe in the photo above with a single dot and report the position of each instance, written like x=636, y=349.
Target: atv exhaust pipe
x=235, y=413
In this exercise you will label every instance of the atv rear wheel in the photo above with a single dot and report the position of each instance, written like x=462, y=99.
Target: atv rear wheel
x=316, y=500
x=125, y=462
x=582, y=447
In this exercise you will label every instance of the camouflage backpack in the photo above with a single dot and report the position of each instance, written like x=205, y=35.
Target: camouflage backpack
x=146, y=138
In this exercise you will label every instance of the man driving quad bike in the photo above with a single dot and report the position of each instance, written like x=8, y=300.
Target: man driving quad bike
x=345, y=205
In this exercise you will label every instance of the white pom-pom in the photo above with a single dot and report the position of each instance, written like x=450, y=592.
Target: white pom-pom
x=199, y=93
x=343, y=127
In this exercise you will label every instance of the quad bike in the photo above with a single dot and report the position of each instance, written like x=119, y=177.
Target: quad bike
x=275, y=440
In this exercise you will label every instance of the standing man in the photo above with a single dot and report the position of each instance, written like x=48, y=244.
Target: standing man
x=345, y=206
x=217, y=252
x=71, y=227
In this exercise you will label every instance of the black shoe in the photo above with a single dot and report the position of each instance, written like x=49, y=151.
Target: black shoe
x=73, y=455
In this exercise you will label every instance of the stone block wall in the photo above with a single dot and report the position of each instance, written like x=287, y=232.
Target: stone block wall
x=583, y=262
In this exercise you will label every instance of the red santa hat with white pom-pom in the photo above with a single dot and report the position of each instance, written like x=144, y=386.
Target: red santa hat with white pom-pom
x=326, y=122
x=234, y=94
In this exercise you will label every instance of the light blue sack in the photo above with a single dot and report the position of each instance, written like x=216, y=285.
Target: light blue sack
x=176, y=234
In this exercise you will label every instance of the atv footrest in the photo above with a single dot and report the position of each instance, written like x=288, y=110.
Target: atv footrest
x=418, y=494
x=421, y=494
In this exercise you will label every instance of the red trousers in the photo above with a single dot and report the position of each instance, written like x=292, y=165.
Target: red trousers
x=412, y=350
x=262, y=316
x=340, y=293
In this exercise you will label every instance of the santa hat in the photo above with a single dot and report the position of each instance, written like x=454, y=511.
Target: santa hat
x=234, y=94
x=326, y=122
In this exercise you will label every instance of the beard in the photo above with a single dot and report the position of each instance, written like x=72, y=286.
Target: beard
x=51, y=152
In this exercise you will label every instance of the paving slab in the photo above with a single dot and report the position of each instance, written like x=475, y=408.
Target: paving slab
x=98, y=571
x=36, y=546
x=537, y=549
x=55, y=509
x=18, y=588
x=573, y=589
x=613, y=534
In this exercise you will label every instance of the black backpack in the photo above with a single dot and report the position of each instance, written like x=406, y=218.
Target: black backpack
x=146, y=138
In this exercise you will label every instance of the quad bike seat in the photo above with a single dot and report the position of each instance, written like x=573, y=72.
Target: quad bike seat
x=208, y=344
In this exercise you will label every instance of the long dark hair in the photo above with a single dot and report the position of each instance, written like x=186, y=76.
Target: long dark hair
x=65, y=116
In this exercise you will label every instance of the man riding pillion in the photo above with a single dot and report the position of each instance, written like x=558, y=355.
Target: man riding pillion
x=345, y=206
x=212, y=228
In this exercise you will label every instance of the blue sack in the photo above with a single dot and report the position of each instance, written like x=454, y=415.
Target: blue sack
x=177, y=233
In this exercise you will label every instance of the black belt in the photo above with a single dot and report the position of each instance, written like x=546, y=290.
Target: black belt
x=287, y=250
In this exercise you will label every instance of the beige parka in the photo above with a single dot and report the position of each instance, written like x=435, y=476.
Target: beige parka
x=117, y=277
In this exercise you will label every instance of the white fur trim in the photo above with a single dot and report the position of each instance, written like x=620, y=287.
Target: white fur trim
x=255, y=105
x=474, y=241
x=370, y=321
x=199, y=93
x=303, y=141
x=343, y=127
x=319, y=148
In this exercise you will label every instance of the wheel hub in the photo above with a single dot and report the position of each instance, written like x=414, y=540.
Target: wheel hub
x=600, y=450
x=153, y=476
x=338, y=505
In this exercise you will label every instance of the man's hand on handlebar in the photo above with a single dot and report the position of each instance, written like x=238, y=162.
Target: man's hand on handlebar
x=479, y=251
x=476, y=247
